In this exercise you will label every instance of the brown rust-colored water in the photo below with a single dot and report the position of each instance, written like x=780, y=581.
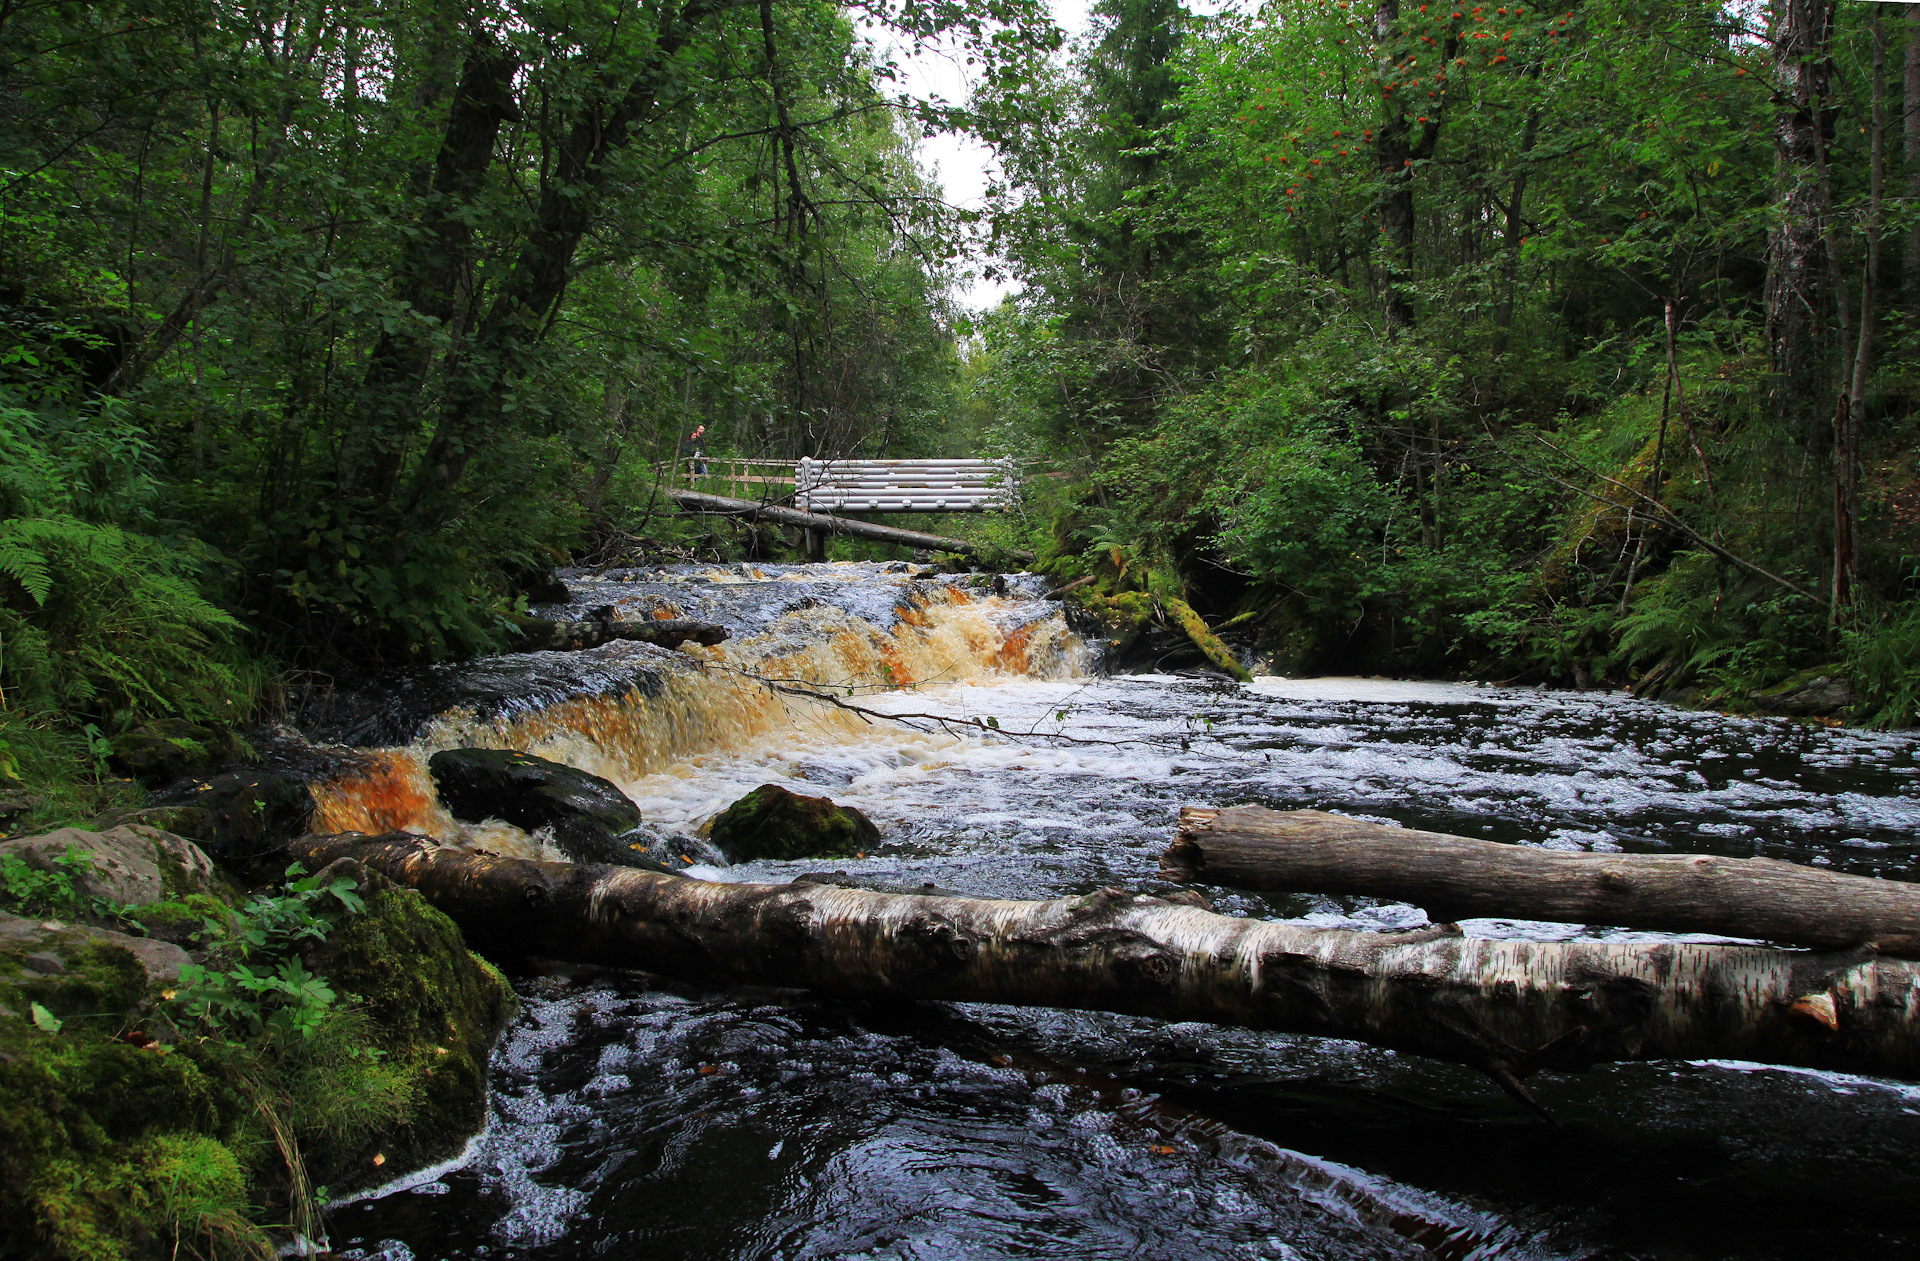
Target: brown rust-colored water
x=635, y=1117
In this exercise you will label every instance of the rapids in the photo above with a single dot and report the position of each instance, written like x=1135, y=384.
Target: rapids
x=634, y=1116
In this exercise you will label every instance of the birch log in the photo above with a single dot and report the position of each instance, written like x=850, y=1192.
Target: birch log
x=1505, y=1007
x=1457, y=877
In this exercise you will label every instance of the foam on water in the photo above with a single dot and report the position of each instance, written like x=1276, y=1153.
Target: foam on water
x=635, y=1118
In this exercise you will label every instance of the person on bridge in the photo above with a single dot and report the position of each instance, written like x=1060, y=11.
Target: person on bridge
x=695, y=451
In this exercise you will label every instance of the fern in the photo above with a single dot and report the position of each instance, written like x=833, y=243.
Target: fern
x=115, y=624
x=25, y=563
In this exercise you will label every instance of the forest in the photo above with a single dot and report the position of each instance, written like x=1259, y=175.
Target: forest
x=1564, y=345
x=1575, y=348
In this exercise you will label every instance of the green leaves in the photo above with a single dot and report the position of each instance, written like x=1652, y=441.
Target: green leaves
x=264, y=987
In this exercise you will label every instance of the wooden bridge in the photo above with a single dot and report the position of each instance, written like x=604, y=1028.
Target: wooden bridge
x=826, y=491
x=844, y=486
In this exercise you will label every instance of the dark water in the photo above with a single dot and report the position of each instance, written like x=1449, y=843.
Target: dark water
x=637, y=1118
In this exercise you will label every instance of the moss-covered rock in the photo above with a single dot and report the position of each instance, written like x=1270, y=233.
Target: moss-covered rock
x=124, y=1137
x=114, y=1146
x=771, y=822
x=435, y=1009
x=165, y=749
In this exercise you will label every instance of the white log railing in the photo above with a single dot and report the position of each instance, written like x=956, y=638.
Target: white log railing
x=955, y=485
x=905, y=485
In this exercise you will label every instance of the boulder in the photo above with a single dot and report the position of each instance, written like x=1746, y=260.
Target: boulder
x=590, y=817
x=434, y=1009
x=242, y=818
x=166, y=749
x=125, y=866
x=1815, y=693
x=771, y=822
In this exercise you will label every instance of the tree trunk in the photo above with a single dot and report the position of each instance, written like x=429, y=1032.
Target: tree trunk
x=504, y=346
x=1398, y=147
x=700, y=501
x=1846, y=431
x=1910, y=136
x=1456, y=877
x=1505, y=1007
x=1510, y=262
x=1799, y=282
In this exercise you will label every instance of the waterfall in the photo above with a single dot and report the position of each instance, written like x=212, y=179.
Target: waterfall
x=625, y=711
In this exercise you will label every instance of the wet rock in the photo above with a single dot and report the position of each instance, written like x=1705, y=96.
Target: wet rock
x=539, y=634
x=123, y=866
x=590, y=818
x=167, y=749
x=674, y=851
x=771, y=822
x=1810, y=694
x=435, y=1010
x=245, y=817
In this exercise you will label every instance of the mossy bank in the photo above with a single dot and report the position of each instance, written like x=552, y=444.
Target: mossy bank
x=133, y=1128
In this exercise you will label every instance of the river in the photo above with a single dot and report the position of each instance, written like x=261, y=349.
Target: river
x=635, y=1116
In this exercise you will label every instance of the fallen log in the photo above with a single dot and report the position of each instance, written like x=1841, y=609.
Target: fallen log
x=543, y=634
x=721, y=505
x=1457, y=877
x=1505, y=1007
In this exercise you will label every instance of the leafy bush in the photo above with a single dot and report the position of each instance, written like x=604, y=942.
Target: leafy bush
x=260, y=986
x=1884, y=661
x=30, y=891
x=1701, y=620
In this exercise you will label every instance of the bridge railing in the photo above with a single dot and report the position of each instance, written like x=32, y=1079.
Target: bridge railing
x=941, y=485
x=905, y=485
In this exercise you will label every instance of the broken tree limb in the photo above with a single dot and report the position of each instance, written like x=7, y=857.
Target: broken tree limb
x=721, y=505
x=539, y=633
x=1210, y=644
x=1456, y=877
x=1504, y=1007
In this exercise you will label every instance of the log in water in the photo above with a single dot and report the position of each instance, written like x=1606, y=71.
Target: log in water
x=1456, y=877
x=1504, y=1007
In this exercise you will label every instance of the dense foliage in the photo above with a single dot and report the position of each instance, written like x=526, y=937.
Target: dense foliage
x=330, y=328
x=1558, y=342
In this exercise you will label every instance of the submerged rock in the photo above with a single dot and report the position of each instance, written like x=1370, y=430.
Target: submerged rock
x=590, y=817
x=771, y=822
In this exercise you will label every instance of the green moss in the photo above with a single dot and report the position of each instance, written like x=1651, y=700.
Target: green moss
x=112, y=1151
x=771, y=822
x=174, y=1194
x=434, y=1010
x=101, y=981
x=179, y=919
x=1204, y=639
x=114, y=1147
